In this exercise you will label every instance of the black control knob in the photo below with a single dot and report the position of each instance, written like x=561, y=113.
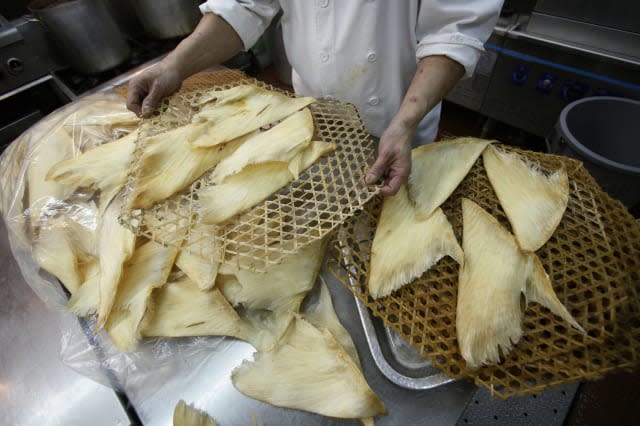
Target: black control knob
x=14, y=66
x=573, y=90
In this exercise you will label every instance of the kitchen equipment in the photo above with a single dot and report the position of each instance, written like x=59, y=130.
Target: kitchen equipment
x=26, y=53
x=85, y=33
x=551, y=55
x=168, y=18
x=27, y=91
x=603, y=133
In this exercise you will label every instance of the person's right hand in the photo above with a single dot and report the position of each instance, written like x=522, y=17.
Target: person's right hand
x=146, y=90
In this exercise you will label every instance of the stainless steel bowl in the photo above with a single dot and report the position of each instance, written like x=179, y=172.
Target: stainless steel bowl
x=85, y=33
x=168, y=18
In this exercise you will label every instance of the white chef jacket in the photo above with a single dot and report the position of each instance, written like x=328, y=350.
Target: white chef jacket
x=366, y=51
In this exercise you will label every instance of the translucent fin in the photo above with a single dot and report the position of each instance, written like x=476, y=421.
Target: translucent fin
x=148, y=268
x=308, y=370
x=104, y=168
x=296, y=274
x=404, y=247
x=253, y=184
x=170, y=163
x=181, y=309
x=199, y=260
x=187, y=415
x=488, y=315
x=115, y=247
x=437, y=170
x=280, y=143
x=533, y=202
x=539, y=290
x=254, y=108
x=324, y=316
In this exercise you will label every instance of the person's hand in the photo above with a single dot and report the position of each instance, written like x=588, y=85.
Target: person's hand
x=146, y=90
x=394, y=159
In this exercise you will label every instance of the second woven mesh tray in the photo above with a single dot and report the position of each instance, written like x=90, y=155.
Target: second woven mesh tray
x=324, y=195
x=593, y=260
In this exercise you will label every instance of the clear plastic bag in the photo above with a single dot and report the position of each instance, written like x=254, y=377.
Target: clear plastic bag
x=41, y=213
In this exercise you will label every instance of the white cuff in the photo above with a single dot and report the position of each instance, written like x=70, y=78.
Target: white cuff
x=461, y=48
x=247, y=23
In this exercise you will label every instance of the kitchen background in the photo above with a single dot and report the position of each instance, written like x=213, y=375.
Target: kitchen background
x=541, y=56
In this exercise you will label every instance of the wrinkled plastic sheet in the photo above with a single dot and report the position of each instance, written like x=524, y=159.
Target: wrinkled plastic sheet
x=27, y=209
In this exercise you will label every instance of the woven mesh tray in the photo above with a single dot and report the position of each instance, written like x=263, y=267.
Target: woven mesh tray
x=593, y=259
x=324, y=195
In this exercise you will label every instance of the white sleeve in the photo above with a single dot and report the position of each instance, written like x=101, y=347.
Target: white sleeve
x=456, y=29
x=249, y=18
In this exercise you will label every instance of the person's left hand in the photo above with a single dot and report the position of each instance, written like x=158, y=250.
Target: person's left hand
x=394, y=159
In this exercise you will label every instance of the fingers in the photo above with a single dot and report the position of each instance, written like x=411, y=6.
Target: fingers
x=377, y=171
x=153, y=98
x=134, y=98
x=392, y=186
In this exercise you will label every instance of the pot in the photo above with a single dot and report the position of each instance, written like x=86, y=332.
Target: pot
x=603, y=132
x=168, y=18
x=85, y=33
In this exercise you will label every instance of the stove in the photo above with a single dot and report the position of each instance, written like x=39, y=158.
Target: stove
x=142, y=51
x=34, y=82
x=556, y=52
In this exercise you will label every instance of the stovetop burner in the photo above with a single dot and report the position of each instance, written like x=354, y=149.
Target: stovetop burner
x=141, y=51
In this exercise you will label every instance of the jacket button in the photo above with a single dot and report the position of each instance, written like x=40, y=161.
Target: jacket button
x=374, y=101
x=372, y=57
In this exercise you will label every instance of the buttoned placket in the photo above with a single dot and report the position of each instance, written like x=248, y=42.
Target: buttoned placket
x=324, y=22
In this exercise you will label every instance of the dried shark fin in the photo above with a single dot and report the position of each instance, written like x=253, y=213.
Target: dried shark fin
x=296, y=274
x=264, y=328
x=199, y=257
x=438, y=168
x=280, y=143
x=217, y=98
x=103, y=168
x=308, y=370
x=258, y=107
x=324, y=316
x=49, y=150
x=533, y=202
x=148, y=268
x=187, y=415
x=253, y=184
x=55, y=253
x=115, y=246
x=109, y=113
x=488, y=314
x=170, y=162
x=66, y=242
x=404, y=246
x=180, y=309
x=539, y=290
x=495, y=273
x=85, y=300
